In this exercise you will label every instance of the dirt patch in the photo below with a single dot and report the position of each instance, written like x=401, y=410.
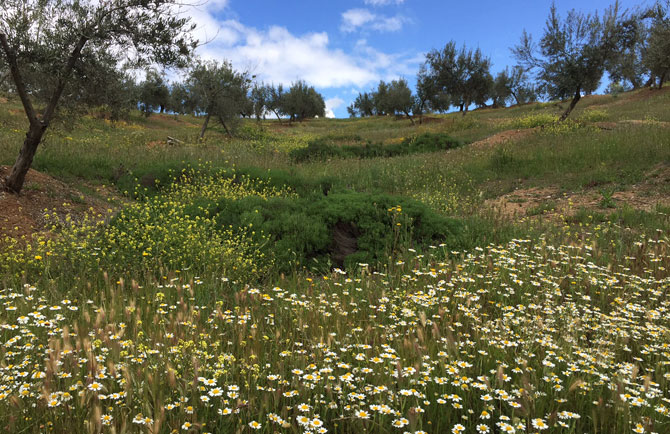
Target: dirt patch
x=23, y=215
x=638, y=95
x=606, y=125
x=551, y=203
x=430, y=120
x=156, y=144
x=522, y=202
x=645, y=122
x=166, y=120
x=637, y=122
x=502, y=137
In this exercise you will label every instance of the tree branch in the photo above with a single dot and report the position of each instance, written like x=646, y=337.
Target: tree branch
x=62, y=80
x=18, y=81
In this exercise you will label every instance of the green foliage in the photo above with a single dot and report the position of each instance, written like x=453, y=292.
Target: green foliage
x=321, y=149
x=573, y=52
x=542, y=208
x=302, y=102
x=593, y=115
x=503, y=160
x=217, y=90
x=657, y=53
x=530, y=121
x=163, y=233
x=607, y=200
x=154, y=94
x=341, y=228
x=459, y=77
x=615, y=88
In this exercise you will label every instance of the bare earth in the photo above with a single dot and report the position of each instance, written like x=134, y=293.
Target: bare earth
x=23, y=215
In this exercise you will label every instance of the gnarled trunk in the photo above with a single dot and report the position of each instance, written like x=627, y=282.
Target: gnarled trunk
x=204, y=126
x=223, y=123
x=410, y=117
x=38, y=126
x=23, y=162
x=573, y=103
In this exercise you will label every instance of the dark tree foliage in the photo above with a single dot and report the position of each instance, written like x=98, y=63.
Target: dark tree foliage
x=501, y=90
x=275, y=100
x=399, y=99
x=626, y=64
x=380, y=100
x=362, y=106
x=52, y=38
x=394, y=98
x=154, y=94
x=573, y=52
x=259, y=97
x=657, y=55
x=460, y=76
x=429, y=95
x=521, y=87
x=512, y=85
x=302, y=102
x=4, y=75
x=180, y=101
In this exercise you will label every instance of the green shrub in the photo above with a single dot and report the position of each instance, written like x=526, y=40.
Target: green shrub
x=503, y=160
x=531, y=121
x=322, y=149
x=593, y=115
x=342, y=229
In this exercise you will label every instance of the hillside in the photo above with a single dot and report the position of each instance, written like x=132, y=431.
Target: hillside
x=615, y=153
x=491, y=273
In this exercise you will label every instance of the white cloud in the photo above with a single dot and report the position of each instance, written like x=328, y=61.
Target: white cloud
x=383, y=2
x=358, y=18
x=354, y=18
x=331, y=105
x=276, y=55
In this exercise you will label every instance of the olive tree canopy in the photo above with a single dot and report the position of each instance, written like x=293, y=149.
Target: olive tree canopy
x=657, y=56
x=54, y=37
x=216, y=89
x=573, y=52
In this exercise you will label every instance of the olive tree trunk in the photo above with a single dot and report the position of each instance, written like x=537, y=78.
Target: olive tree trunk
x=204, y=126
x=38, y=126
x=573, y=103
x=23, y=162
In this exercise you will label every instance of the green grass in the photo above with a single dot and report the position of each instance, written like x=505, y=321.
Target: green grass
x=210, y=301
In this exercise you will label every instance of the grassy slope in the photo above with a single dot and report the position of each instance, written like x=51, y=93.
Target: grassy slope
x=96, y=149
x=575, y=176
x=566, y=330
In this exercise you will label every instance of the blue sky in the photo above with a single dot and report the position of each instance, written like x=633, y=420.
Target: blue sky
x=344, y=47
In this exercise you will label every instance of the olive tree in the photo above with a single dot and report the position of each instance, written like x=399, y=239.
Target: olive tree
x=55, y=36
x=216, y=89
x=512, y=84
x=362, y=106
x=154, y=93
x=657, y=56
x=573, y=52
x=459, y=77
x=303, y=101
x=399, y=98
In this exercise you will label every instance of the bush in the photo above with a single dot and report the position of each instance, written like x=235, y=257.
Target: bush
x=321, y=149
x=165, y=232
x=531, y=121
x=342, y=229
x=593, y=115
